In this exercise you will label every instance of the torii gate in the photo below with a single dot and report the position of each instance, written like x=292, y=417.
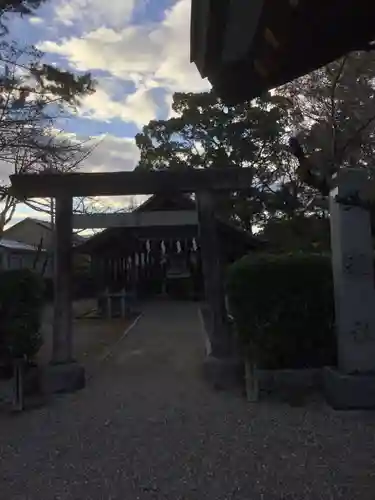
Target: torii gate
x=64, y=373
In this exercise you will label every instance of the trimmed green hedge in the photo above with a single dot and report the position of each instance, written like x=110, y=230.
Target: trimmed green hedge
x=283, y=307
x=21, y=303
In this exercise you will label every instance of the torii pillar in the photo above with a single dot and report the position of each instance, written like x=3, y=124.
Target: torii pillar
x=352, y=384
x=222, y=367
x=63, y=374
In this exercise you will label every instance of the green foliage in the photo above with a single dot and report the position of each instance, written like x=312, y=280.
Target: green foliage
x=331, y=112
x=21, y=302
x=32, y=90
x=298, y=233
x=208, y=133
x=65, y=87
x=283, y=309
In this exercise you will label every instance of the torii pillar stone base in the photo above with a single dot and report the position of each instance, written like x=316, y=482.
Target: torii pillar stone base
x=352, y=384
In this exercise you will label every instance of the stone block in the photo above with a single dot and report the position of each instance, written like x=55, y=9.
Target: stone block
x=353, y=271
x=63, y=378
x=274, y=380
x=223, y=373
x=349, y=391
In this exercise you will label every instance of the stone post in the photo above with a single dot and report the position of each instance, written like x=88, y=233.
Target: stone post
x=353, y=384
x=63, y=374
x=62, y=350
x=221, y=367
x=213, y=274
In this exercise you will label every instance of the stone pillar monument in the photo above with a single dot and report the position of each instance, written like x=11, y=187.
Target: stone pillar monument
x=352, y=385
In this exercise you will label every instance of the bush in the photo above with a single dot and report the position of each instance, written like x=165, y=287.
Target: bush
x=21, y=302
x=283, y=307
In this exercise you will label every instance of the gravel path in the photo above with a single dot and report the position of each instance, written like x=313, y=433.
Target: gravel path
x=147, y=427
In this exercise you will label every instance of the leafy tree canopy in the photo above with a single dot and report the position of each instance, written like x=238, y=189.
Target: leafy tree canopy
x=206, y=132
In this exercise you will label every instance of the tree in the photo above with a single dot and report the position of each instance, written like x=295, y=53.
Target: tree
x=33, y=96
x=22, y=7
x=334, y=114
x=331, y=111
x=299, y=233
x=206, y=132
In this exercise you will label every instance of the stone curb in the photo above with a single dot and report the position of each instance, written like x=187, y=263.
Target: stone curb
x=304, y=378
x=273, y=380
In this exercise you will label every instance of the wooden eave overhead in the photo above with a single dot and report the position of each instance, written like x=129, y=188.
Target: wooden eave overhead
x=246, y=47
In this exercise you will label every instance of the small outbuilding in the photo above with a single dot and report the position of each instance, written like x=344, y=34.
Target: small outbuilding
x=160, y=258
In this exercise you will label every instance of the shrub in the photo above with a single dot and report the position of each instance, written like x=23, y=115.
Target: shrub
x=21, y=302
x=284, y=310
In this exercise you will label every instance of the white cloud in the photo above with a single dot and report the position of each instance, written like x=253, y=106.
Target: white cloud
x=112, y=154
x=94, y=12
x=151, y=55
x=123, y=53
x=6, y=169
x=138, y=107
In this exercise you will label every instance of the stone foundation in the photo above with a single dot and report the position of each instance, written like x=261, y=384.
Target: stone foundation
x=349, y=392
x=63, y=378
x=224, y=373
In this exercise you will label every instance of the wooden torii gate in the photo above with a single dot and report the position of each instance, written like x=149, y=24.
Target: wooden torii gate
x=64, y=373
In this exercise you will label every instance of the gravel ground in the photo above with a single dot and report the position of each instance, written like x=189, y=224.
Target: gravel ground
x=92, y=337
x=148, y=427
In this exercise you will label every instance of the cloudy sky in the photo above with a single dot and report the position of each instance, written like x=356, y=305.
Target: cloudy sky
x=137, y=50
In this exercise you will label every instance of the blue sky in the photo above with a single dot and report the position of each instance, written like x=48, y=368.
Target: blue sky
x=138, y=50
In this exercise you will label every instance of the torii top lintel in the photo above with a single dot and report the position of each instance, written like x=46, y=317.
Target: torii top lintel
x=53, y=185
